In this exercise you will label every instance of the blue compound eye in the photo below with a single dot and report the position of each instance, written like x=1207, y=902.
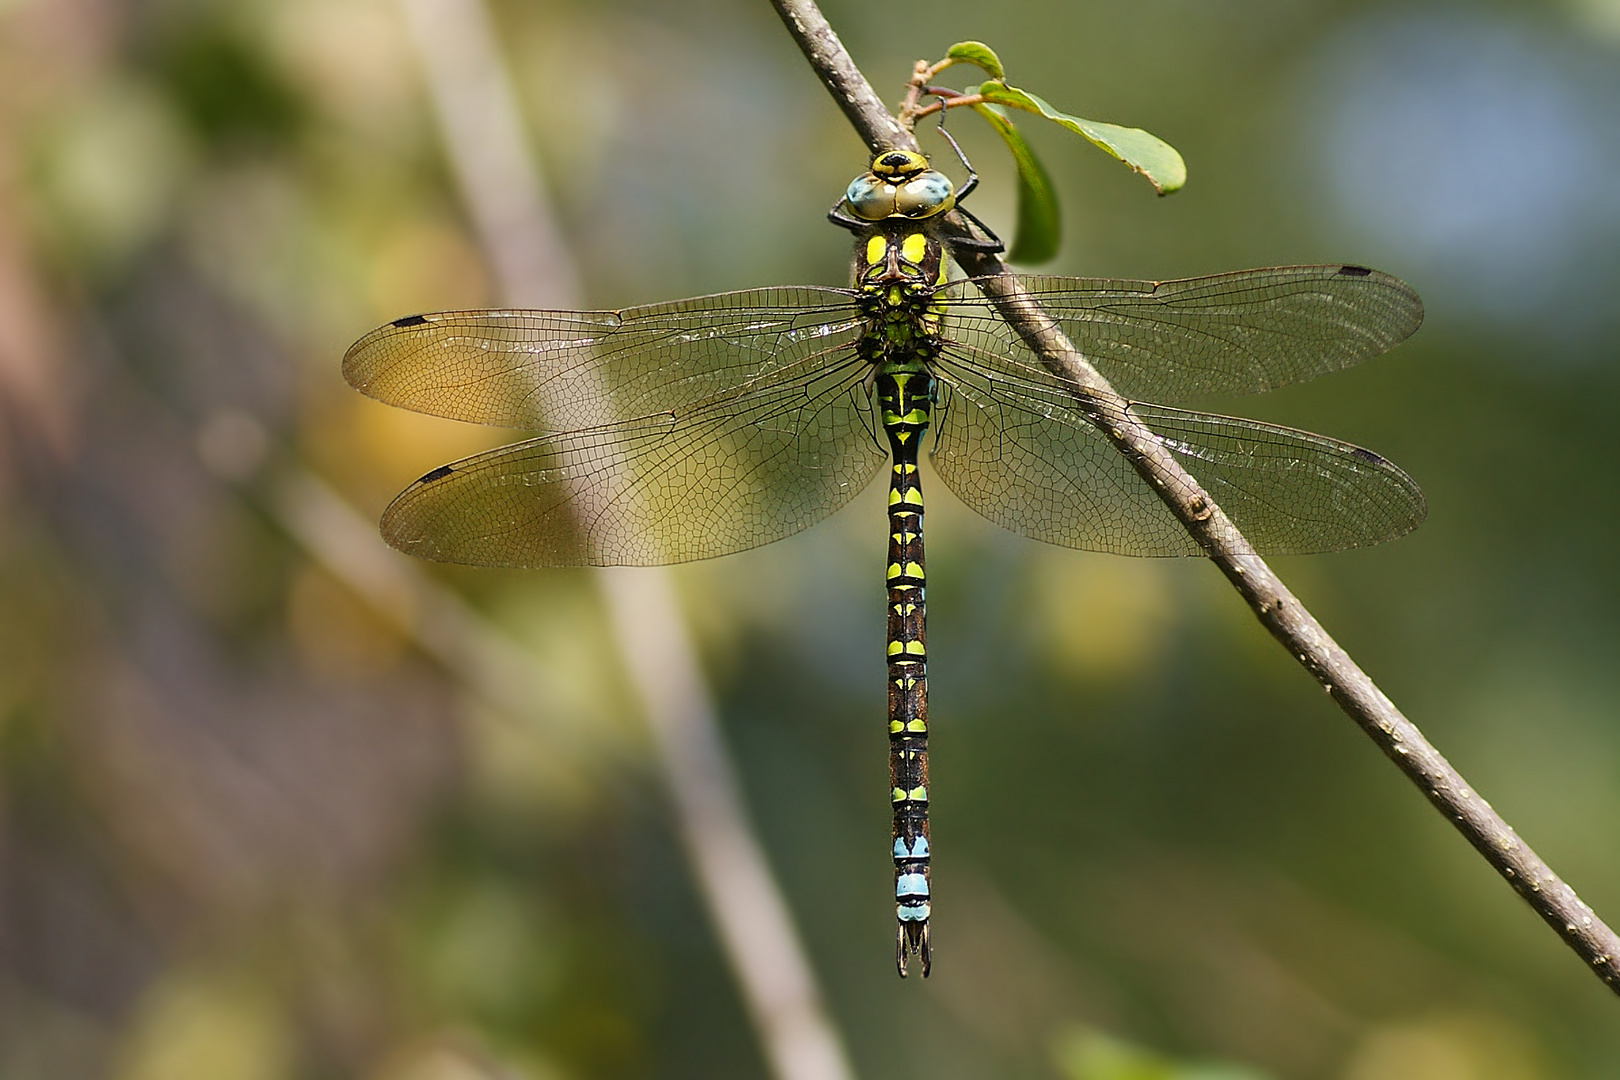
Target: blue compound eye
x=871, y=198
x=929, y=194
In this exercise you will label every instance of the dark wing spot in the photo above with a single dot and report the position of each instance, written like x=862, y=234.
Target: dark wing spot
x=437, y=474
x=1355, y=452
x=1354, y=271
x=409, y=320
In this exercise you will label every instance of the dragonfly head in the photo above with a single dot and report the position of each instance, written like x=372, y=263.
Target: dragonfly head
x=900, y=184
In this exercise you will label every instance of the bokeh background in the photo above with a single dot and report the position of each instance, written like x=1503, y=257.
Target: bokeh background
x=252, y=829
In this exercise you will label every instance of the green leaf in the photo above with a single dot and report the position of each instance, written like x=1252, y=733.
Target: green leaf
x=976, y=53
x=1040, y=225
x=1086, y=1054
x=1147, y=154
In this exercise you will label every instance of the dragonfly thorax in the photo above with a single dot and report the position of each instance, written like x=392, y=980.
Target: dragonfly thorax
x=899, y=257
x=899, y=266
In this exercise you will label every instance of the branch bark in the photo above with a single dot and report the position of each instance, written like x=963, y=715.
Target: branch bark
x=1277, y=609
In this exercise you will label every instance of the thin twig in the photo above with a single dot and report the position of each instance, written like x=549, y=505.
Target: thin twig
x=1277, y=608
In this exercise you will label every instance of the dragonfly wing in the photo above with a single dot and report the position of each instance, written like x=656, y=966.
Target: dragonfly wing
x=1236, y=333
x=755, y=464
x=1291, y=492
x=568, y=370
x=1014, y=446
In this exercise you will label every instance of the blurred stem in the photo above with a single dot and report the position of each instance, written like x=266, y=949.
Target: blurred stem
x=497, y=173
x=1277, y=608
x=490, y=663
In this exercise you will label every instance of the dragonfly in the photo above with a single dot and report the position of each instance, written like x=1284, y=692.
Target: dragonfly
x=702, y=427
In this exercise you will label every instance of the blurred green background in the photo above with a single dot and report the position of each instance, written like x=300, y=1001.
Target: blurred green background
x=248, y=832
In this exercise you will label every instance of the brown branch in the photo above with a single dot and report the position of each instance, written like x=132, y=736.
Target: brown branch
x=1277, y=608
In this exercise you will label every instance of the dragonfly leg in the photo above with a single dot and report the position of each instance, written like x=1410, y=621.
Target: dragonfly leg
x=989, y=242
x=844, y=220
x=972, y=180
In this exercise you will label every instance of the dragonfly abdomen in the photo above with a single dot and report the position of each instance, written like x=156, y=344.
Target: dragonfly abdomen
x=905, y=398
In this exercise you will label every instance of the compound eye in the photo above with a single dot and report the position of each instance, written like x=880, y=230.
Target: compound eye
x=925, y=196
x=870, y=198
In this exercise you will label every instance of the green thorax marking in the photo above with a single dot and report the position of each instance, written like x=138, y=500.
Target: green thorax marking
x=898, y=266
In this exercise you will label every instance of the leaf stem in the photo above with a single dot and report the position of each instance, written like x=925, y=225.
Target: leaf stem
x=948, y=99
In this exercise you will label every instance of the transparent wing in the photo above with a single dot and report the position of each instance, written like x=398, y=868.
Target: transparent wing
x=1238, y=333
x=1013, y=445
x=756, y=463
x=568, y=370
